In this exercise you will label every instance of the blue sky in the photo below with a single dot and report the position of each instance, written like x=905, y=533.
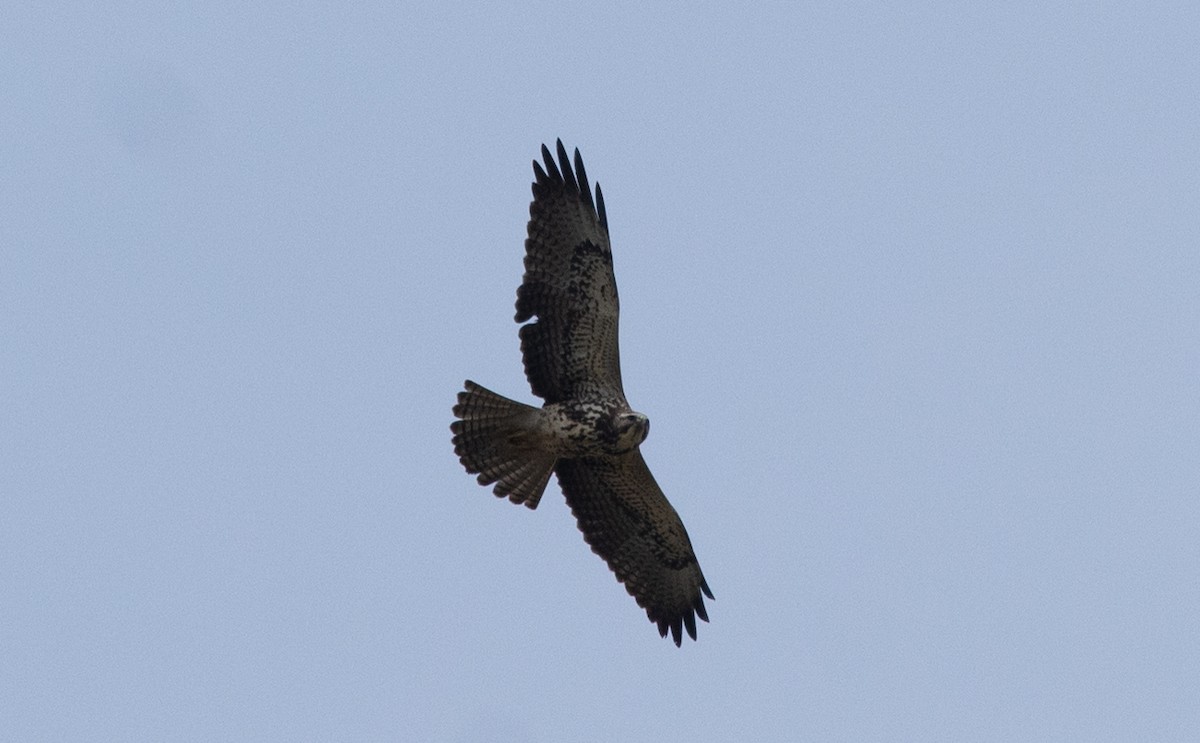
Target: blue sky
x=910, y=293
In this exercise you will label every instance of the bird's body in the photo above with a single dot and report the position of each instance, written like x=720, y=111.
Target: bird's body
x=586, y=432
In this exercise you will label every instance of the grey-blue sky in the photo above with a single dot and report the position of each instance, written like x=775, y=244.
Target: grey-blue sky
x=910, y=295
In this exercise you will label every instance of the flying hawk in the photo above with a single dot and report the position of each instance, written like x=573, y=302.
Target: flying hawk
x=586, y=433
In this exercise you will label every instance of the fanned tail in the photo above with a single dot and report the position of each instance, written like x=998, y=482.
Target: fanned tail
x=491, y=439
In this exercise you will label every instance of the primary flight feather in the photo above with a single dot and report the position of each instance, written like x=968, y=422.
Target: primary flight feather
x=585, y=432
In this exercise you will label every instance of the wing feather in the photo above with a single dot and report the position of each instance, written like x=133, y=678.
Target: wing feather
x=568, y=286
x=627, y=520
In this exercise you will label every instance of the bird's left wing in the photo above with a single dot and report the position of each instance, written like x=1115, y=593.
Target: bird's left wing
x=627, y=520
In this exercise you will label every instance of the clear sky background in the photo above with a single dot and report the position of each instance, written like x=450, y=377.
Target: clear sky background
x=911, y=293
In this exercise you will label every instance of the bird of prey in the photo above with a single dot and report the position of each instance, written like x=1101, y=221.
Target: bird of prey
x=585, y=432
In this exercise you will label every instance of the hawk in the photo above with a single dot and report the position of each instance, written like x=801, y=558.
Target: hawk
x=585, y=432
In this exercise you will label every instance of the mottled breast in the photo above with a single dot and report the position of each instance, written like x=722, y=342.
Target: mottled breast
x=595, y=427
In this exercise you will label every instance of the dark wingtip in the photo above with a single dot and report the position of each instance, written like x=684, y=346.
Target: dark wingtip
x=539, y=176
x=559, y=171
x=585, y=191
x=600, y=208
x=684, y=621
x=564, y=166
x=551, y=169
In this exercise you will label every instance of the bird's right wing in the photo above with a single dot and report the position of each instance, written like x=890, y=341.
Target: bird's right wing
x=571, y=347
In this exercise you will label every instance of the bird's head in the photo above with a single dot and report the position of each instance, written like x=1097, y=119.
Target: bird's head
x=631, y=429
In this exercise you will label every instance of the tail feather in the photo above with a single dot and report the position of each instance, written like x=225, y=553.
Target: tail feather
x=492, y=439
